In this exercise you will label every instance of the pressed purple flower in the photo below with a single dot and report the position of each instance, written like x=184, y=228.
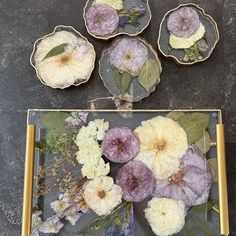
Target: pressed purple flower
x=191, y=184
x=123, y=21
x=128, y=55
x=136, y=181
x=183, y=22
x=102, y=19
x=120, y=145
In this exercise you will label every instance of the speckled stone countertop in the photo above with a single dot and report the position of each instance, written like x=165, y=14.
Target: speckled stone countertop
x=211, y=84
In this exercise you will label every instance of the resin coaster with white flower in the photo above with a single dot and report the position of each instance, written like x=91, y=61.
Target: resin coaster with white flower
x=153, y=173
x=63, y=58
x=106, y=19
x=130, y=68
x=187, y=34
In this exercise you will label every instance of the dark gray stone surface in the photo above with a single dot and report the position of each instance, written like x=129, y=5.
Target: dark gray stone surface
x=207, y=85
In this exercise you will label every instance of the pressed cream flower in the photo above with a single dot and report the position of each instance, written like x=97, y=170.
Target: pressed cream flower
x=95, y=130
x=162, y=143
x=73, y=65
x=95, y=168
x=117, y=4
x=182, y=43
x=165, y=216
x=89, y=151
x=102, y=195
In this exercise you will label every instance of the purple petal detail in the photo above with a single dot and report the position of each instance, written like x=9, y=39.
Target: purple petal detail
x=102, y=19
x=183, y=22
x=120, y=145
x=194, y=187
x=136, y=180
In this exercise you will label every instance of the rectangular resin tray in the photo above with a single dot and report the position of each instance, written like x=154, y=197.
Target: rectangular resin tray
x=203, y=222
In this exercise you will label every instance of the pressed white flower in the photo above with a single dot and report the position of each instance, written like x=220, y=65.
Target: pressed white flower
x=65, y=69
x=165, y=216
x=102, y=195
x=96, y=129
x=162, y=143
x=89, y=151
x=72, y=215
x=59, y=205
x=161, y=167
x=52, y=225
x=181, y=42
x=95, y=169
x=117, y=4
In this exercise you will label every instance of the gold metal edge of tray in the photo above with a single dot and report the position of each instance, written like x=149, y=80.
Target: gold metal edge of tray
x=29, y=168
x=28, y=181
x=223, y=194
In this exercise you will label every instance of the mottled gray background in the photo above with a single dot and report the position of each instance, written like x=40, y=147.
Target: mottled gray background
x=208, y=85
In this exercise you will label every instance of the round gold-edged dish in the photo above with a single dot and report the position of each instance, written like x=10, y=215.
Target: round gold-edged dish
x=63, y=58
x=187, y=34
x=130, y=68
x=105, y=19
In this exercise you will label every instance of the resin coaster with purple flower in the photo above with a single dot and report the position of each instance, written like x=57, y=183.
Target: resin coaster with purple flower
x=130, y=68
x=187, y=34
x=63, y=58
x=105, y=19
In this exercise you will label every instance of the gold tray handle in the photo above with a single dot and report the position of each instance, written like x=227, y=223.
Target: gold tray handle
x=28, y=182
x=223, y=195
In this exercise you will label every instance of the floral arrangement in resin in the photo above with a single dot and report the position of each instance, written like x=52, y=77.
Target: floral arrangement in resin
x=187, y=32
x=108, y=169
x=192, y=34
x=63, y=58
x=133, y=65
x=108, y=18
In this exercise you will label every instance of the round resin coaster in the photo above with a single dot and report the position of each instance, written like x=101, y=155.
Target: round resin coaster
x=187, y=34
x=63, y=58
x=106, y=19
x=130, y=68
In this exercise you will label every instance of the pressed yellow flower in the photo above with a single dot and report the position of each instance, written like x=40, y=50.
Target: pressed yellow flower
x=117, y=4
x=181, y=42
x=162, y=143
x=69, y=67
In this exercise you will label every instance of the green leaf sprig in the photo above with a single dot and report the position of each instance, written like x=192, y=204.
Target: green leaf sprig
x=149, y=74
x=56, y=51
x=123, y=81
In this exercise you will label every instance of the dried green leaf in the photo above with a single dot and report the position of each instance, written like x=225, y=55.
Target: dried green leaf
x=175, y=115
x=56, y=51
x=194, y=125
x=149, y=74
x=214, y=169
x=204, y=144
x=53, y=120
x=123, y=81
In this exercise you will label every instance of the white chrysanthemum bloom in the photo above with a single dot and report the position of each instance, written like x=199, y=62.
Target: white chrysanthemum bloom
x=165, y=216
x=117, y=4
x=95, y=169
x=68, y=68
x=162, y=143
x=89, y=150
x=102, y=195
x=181, y=42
